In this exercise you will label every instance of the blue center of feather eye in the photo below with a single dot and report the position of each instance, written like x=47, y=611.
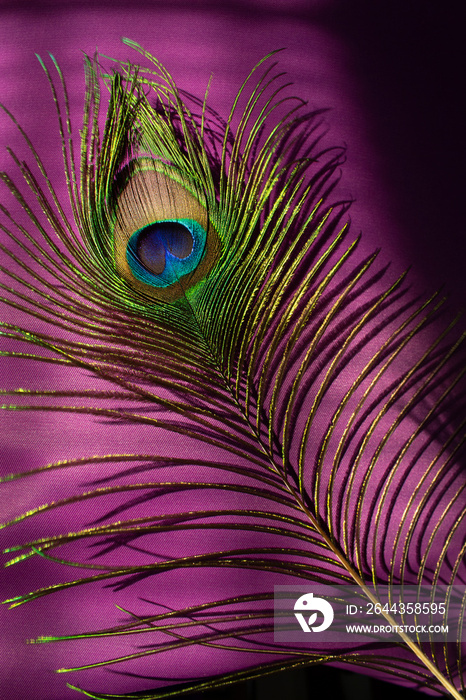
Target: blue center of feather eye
x=161, y=253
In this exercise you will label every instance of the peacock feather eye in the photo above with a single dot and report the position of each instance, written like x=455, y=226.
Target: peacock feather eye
x=164, y=243
x=163, y=252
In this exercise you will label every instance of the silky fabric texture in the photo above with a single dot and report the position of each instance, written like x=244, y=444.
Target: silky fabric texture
x=402, y=177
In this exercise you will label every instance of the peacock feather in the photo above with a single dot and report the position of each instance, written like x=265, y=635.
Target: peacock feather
x=292, y=414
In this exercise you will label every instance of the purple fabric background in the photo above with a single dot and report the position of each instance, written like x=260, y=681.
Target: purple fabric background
x=391, y=80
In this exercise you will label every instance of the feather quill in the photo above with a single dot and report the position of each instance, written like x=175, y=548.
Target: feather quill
x=208, y=289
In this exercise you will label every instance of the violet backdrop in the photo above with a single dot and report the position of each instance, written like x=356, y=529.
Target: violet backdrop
x=390, y=80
